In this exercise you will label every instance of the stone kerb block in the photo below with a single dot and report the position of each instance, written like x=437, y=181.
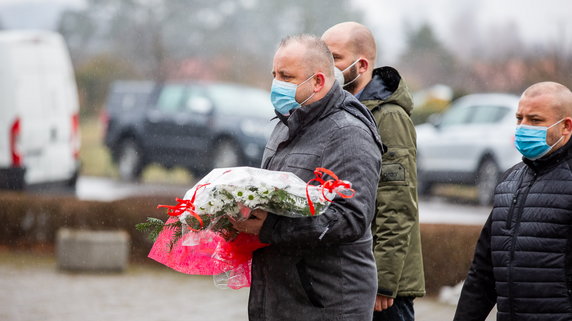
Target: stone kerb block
x=83, y=250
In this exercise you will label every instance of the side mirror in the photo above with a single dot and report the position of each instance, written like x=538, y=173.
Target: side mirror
x=200, y=105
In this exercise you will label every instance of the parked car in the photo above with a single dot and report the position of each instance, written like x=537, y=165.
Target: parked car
x=199, y=126
x=471, y=143
x=39, y=112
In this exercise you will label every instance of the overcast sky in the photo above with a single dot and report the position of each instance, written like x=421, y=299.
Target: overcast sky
x=534, y=21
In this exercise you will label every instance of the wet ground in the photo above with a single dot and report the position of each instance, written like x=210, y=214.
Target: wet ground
x=32, y=289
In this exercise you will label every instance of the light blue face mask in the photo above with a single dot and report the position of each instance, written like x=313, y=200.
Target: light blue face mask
x=531, y=140
x=283, y=95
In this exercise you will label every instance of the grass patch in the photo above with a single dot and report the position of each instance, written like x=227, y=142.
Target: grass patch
x=462, y=193
x=157, y=174
x=94, y=156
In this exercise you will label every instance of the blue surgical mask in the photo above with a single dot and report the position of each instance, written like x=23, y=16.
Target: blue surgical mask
x=283, y=95
x=531, y=140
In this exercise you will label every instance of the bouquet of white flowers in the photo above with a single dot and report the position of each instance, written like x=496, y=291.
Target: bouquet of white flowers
x=201, y=221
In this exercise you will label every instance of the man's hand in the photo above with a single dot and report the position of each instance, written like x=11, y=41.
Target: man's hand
x=253, y=224
x=382, y=303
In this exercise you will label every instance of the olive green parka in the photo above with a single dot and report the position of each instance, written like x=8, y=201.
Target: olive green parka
x=397, y=242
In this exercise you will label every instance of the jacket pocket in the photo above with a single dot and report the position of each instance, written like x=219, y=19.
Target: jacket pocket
x=307, y=285
x=396, y=168
x=303, y=164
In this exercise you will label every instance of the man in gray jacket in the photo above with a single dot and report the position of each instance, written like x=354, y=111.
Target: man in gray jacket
x=319, y=267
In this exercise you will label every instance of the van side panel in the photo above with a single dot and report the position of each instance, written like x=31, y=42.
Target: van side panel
x=44, y=97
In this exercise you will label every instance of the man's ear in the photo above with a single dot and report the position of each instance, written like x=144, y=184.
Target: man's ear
x=567, y=126
x=363, y=65
x=320, y=81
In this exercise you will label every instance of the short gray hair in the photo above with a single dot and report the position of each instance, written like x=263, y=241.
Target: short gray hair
x=317, y=53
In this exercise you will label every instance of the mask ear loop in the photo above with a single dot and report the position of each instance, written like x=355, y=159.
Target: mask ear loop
x=348, y=83
x=348, y=67
x=305, y=100
x=353, y=63
x=561, y=137
x=556, y=123
x=312, y=95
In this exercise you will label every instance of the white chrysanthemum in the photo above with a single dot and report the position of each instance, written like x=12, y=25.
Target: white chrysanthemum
x=217, y=204
x=251, y=199
x=264, y=191
x=240, y=194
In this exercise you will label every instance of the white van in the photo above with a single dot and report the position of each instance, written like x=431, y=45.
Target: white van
x=39, y=111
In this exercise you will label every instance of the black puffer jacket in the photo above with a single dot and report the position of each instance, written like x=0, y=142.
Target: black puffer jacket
x=523, y=259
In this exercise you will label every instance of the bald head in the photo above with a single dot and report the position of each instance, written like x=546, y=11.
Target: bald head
x=353, y=48
x=356, y=37
x=558, y=96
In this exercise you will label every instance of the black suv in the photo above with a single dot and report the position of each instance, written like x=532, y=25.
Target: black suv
x=199, y=126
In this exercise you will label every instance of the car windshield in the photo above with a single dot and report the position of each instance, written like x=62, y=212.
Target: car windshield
x=240, y=100
x=170, y=98
x=456, y=116
x=488, y=114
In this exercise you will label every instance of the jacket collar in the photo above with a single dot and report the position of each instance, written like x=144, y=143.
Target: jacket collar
x=305, y=115
x=547, y=163
x=387, y=86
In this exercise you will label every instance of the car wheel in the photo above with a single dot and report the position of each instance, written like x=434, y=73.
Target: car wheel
x=129, y=161
x=487, y=180
x=226, y=154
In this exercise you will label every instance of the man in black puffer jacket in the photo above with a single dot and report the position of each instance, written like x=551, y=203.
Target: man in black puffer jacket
x=523, y=259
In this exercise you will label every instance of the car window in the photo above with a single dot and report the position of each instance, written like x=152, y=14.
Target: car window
x=488, y=114
x=456, y=116
x=198, y=102
x=240, y=100
x=170, y=98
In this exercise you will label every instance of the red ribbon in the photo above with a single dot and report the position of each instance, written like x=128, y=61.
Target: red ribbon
x=330, y=185
x=185, y=206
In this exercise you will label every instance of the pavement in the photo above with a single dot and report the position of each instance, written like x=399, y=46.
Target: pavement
x=33, y=289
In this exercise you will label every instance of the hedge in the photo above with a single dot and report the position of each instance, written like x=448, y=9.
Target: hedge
x=31, y=220
x=28, y=221
x=447, y=253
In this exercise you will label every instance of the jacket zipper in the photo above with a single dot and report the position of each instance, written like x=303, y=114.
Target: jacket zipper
x=511, y=209
x=514, y=200
x=513, y=242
